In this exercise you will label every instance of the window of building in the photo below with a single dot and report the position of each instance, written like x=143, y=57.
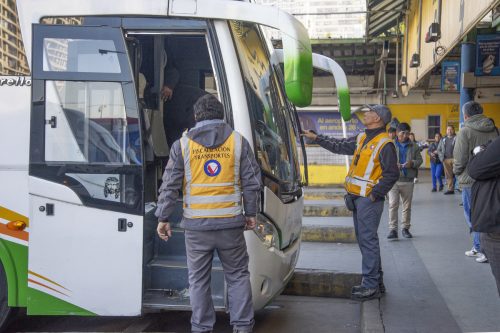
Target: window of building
x=433, y=126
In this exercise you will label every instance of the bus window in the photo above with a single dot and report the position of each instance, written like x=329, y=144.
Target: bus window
x=80, y=56
x=92, y=126
x=266, y=105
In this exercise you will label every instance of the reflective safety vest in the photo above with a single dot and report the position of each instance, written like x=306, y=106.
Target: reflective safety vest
x=365, y=170
x=212, y=178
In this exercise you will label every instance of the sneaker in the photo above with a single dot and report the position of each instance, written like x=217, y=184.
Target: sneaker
x=434, y=190
x=393, y=234
x=441, y=188
x=365, y=294
x=381, y=288
x=406, y=233
x=472, y=253
x=449, y=192
x=481, y=258
x=415, y=180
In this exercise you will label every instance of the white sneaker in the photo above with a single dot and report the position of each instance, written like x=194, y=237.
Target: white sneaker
x=415, y=180
x=481, y=258
x=472, y=253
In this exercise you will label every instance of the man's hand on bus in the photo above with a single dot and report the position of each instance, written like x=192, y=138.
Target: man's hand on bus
x=166, y=93
x=164, y=230
x=310, y=134
x=251, y=222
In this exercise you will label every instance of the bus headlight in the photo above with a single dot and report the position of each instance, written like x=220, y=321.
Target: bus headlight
x=267, y=232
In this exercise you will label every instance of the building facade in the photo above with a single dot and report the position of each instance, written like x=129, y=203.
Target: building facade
x=12, y=57
x=327, y=18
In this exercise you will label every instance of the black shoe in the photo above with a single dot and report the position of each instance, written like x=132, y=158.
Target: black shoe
x=393, y=234
x=433, y=190
x=365, y=294
x=441, y=188
x=449, y=192
x=406, y=233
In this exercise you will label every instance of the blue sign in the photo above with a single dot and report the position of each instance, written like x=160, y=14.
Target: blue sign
x=488, y=55
x=450, y=76
x=329, y=123
x=212, y=168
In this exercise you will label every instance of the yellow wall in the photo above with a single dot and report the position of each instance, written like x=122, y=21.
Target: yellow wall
x=448, y=112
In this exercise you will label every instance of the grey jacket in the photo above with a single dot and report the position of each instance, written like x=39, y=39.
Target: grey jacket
x=477, y=130
x=413, y=155
x=442, y=146
x=210, y=134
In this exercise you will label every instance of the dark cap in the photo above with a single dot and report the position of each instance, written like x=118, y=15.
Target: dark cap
x=381, y=110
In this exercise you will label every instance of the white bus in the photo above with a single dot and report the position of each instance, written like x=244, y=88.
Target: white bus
x=84, y=145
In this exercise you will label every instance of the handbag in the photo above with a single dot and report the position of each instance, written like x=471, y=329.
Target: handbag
x=485, y=205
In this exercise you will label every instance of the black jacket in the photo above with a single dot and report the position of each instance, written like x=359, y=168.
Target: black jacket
x=388, y=158
x=485, y=195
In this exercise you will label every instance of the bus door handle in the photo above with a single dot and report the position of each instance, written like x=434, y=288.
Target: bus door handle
x=123, y=225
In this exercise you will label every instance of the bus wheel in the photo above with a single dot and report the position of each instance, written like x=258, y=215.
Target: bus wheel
x=5, y=310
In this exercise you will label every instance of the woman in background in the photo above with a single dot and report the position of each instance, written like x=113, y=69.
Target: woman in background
x=436, y=165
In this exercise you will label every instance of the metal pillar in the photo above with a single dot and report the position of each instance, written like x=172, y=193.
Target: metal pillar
x=467, y=64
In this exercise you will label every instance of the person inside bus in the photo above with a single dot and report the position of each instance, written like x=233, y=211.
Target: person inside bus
x=178, y=99
x=202, y=164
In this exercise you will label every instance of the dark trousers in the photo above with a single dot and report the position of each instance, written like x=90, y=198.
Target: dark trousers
x=366, y=221
x=490, y=244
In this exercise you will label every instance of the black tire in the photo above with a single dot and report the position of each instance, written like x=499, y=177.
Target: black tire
x=5, y=310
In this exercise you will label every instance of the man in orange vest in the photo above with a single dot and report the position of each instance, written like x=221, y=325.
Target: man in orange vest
x=217, y=171
x=372, y=174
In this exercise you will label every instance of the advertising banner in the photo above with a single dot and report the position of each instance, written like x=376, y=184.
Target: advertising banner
x=488, y=55
x=450, y=76
x=329, y=123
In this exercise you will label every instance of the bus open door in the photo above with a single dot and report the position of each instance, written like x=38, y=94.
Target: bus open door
x=85, y=175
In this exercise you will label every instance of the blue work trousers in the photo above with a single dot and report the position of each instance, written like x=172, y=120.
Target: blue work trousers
x=437, y=174
x=466, y=198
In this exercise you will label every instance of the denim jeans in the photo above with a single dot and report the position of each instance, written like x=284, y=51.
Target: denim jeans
x=436, y=174
x=466, y=198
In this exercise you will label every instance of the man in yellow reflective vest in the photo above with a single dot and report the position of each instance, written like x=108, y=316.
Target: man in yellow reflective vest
x=221, y=182
x=372, y=174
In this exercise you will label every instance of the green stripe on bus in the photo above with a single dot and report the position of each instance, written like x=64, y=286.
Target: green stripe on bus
x=44, y=304
x=344, y=103
x=14, y=259
x=299, y=78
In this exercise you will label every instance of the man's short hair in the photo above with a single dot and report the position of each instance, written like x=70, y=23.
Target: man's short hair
x=451, y=126
x=404, y=127
x=208, y=107
x=472, y=108
x=391, y=130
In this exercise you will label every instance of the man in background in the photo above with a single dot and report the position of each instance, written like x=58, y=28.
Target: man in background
x=445, y=154
x=409, y=160
x=477, y=130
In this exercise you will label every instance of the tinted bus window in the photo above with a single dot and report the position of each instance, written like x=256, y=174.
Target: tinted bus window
x=266, y=104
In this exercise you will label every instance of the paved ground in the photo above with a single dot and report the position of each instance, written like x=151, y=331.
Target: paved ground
x=432, y=285
x=286, y=314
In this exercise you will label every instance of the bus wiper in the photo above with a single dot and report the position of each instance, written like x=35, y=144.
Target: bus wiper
x=103, y=51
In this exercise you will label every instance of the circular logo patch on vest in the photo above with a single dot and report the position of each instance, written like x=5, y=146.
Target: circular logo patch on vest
x=212, y=168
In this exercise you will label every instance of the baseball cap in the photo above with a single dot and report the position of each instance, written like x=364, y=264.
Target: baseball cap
x=381, y=110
